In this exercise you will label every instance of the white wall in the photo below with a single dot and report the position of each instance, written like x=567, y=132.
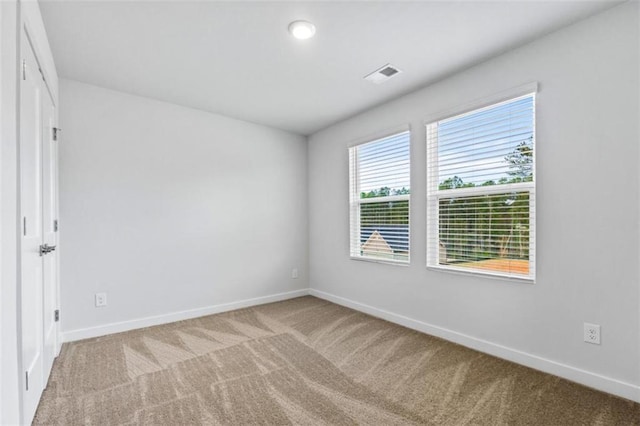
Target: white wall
x=169, y=209
x=587, y=226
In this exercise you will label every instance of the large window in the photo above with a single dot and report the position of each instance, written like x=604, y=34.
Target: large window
x=481, y=191
x=379, y=199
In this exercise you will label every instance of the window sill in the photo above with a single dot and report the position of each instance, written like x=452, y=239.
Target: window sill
x=483, y=274
x=384, y=261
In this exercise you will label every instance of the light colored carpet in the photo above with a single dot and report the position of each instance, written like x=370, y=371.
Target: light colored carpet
x=306, y=361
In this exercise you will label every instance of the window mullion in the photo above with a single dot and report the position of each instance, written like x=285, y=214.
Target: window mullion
x=485, y=190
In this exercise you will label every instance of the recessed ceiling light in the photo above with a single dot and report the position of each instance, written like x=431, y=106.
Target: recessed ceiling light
x=302, y=30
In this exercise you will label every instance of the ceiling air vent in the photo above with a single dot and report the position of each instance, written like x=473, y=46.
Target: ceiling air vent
x=382, y=74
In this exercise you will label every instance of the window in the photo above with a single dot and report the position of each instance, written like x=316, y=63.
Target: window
x=481, y=191
x=379, y=199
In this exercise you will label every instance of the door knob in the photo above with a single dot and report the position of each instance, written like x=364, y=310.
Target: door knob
x=45, y=248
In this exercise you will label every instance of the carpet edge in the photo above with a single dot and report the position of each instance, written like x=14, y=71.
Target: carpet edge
x=121, y=326
x=592, y=380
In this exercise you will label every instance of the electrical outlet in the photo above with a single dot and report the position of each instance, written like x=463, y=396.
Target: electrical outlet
x=101, y=300
x=592, y=333
x=294, y=273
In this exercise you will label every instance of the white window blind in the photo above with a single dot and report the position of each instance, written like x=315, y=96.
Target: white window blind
x=379, y=199
x=481, y=190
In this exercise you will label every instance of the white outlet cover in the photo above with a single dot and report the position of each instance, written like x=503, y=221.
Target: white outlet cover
x=101, y=300
x=294, y=273
x=592, y=333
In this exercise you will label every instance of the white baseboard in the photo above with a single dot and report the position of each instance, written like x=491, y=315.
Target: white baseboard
x=118, y=327
x=592, y=380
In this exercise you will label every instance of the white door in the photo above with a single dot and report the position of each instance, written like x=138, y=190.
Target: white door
x=31, y=94
x=49, y=228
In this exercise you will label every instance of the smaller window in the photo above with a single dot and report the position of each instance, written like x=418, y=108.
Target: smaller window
x=481, y=191
x=379, y=199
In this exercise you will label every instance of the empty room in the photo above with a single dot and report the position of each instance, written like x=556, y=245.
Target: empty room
x=319, y=212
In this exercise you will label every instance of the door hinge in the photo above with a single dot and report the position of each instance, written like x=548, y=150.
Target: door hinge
x=26, y=374
x=24, y=225
x=56, y=130
x=24, y=69
x=55, y=225
x=56, y=315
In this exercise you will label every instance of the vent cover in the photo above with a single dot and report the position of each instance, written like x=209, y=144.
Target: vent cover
x=382, y=74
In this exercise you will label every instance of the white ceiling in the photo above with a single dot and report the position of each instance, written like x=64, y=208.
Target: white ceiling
x=237, y=58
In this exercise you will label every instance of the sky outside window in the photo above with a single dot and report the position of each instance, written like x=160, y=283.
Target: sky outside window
x=475, y=147
x=385, y=164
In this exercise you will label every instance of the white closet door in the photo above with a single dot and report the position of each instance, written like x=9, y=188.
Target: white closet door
x=31, y=94
x=49, y=209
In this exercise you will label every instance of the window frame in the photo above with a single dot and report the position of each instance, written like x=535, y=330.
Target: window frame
x=355, y=201
x=434, y=194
